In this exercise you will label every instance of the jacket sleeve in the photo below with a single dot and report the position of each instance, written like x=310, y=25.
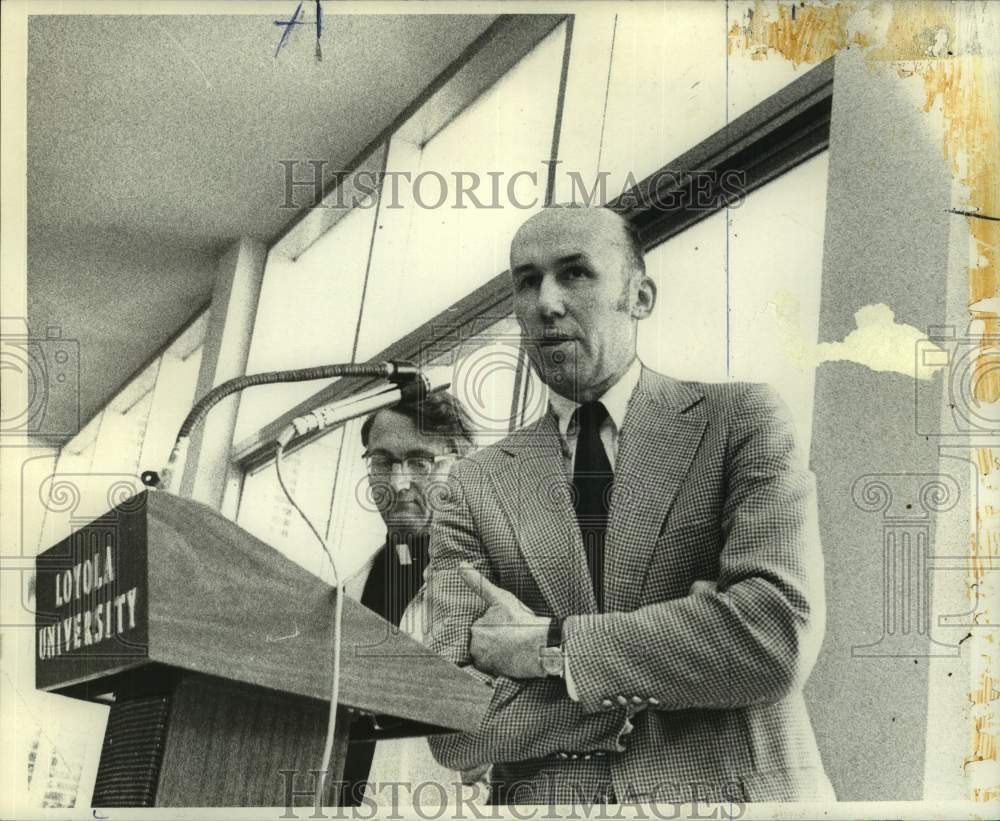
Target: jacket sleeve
x=526, y=718
x=755, y=637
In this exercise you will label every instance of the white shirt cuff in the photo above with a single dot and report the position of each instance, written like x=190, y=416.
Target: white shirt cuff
x=568, y=678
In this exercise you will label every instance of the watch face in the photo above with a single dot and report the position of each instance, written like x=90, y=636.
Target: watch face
x=552, y=661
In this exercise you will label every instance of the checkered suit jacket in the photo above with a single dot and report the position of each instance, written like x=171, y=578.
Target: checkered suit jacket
x=682, y=696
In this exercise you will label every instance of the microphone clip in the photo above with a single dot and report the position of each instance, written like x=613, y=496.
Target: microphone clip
x=413, y=383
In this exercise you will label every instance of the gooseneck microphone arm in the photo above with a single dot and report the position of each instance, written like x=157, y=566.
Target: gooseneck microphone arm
x=404, y=374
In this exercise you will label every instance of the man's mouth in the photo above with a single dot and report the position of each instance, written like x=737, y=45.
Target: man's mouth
x=555, y=338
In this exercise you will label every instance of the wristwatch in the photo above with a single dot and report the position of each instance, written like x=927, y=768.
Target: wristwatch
x=551, y=656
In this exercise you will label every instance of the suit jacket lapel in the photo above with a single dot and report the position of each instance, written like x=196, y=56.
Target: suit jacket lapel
x=535, y=494
x=660, y=436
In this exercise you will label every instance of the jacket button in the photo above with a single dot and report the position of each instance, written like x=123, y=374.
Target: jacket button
x=587, y=757
x=622, y=700
x=637, y=700
x=607, y=704
x=574, y=756
x=653, y=702
x=563, y=755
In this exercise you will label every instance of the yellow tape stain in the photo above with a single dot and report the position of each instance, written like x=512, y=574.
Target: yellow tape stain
x=987, y=794
x=984, y=744
x=984, y=459
x=807, y=34
x=988, y=690
x=984, y=547
x=812, y=33
x=972, y=144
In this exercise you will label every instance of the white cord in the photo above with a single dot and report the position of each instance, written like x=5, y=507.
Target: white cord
x=338, y=610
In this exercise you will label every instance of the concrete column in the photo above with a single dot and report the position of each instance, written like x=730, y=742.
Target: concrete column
x=224, y=356
x=886, y=494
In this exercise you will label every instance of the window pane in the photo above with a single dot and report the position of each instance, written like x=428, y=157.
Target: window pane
x=686, y=334
x=356, y=528
x=172, y=399
x=672, y=83
x=667, y=86
x=306, y=315
x=775, y=255
x=265, y=511
x=431, y=250
x=484, y=371
x=173, y=394
x=775, y=271
x=123, y=427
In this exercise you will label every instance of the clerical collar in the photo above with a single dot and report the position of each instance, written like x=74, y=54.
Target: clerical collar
x=615, y=399
x=408, y=548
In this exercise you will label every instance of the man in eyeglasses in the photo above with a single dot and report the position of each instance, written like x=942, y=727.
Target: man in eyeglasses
x=409, y=451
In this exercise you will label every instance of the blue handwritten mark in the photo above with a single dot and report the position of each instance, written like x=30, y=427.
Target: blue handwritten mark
x=319, y=29
x=295, y=21
x=288, y=27
x=793, y=9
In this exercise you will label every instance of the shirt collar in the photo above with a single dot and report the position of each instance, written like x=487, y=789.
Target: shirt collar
x=615, y=399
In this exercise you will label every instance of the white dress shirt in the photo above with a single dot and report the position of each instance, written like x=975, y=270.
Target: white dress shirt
x=615, y=400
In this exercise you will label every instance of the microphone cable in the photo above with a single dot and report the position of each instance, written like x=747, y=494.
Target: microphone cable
x=338, y=609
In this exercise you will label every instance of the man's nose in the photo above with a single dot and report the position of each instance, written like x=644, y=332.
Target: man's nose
x=550, y=298
x=400, y=479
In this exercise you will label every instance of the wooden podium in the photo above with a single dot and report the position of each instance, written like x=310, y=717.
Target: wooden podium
x=215, y=653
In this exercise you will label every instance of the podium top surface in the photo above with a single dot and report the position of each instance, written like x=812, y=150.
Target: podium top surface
x=183, y=586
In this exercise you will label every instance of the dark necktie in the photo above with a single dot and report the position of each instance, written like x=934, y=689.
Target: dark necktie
x=592, y=480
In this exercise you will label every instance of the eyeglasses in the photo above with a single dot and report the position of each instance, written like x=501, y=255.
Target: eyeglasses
x=382, y=466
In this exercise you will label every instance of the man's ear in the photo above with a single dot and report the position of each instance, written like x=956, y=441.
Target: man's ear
x=644, y=299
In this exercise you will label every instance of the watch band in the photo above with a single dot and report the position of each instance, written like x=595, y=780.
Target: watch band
x=555, y=636
x=551, y=656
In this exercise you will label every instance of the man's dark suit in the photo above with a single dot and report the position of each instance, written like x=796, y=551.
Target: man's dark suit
x=682, y=694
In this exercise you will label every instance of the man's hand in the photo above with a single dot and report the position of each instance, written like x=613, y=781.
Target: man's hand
x=507, y=639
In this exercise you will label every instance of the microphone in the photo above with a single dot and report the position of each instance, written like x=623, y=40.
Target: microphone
x=409, y=383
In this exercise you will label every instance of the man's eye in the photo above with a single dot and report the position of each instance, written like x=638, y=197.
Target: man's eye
x=380, y=467
x=574, y=272
x=420, y=465
x=527, y=282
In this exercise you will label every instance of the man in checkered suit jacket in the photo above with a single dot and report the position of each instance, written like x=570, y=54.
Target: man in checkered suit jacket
x=685, y=682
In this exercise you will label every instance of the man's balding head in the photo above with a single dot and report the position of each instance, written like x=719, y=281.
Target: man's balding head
x=615, y=228
x=580, y=289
